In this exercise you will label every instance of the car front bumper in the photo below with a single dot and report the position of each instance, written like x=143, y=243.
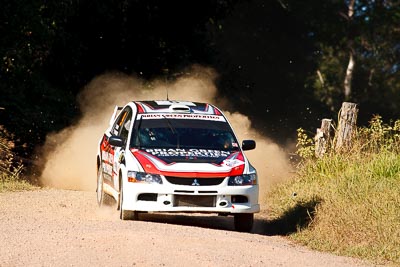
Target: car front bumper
x=181, y=198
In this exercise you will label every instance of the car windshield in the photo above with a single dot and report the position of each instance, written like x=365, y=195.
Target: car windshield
x=184, y=134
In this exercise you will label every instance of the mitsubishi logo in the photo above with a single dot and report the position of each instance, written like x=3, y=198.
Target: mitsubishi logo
x=195, y=182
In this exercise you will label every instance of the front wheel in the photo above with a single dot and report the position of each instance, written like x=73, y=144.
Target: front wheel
x=100, y=188
x=126, y=214
x=244, y=222
x=103, y=199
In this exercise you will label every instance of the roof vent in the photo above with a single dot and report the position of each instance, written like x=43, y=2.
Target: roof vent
x=179, y=108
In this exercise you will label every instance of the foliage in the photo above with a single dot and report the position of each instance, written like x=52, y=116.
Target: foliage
x=50, y=50
x=269, y=54
x=8, y=164
x=305, y=145
x=359, y=196
x=380, y=136
x=373, y=32
x=32, y=105
x=10, y=168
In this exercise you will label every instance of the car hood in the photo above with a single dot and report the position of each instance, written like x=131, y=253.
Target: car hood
x=190, y=162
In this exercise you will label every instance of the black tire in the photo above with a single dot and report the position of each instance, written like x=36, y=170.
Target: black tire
x=103, y=199
x=244, y=222
x=126, y=214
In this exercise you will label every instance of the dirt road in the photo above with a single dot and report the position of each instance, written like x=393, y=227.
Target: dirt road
x=66, y=228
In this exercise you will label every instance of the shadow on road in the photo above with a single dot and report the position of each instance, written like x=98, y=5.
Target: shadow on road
x=298, y=217
x=198, y=220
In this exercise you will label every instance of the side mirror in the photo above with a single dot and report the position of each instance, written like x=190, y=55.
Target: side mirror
x=248, y=144
x=116, y=141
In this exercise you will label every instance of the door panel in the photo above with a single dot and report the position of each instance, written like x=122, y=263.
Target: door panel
x=121, y=128
x=107, y=158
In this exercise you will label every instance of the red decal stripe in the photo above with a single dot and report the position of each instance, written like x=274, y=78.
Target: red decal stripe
x=216, y=112
x=147, y=165
x=140, y=108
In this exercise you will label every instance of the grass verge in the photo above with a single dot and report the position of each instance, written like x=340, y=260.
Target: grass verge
x=350, y=202
x=8, y=183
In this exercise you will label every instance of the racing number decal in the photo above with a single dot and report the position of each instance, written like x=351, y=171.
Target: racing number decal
x=107, y=157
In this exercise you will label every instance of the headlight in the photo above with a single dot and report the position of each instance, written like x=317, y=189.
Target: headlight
x=142, y=177
x=245, y=179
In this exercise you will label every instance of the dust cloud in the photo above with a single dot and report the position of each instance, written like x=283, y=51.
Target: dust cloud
x=70, y=155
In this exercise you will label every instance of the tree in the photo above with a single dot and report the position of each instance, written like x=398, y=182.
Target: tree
x=344, y=33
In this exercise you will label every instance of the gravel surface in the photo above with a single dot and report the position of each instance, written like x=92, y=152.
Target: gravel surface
x=66, y=228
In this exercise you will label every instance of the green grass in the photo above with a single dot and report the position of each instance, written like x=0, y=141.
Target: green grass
x=353, y=201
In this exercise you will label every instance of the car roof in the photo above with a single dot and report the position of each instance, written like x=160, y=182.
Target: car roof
x=169, y=106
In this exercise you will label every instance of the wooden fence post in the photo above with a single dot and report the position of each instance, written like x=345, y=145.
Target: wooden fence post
x=323, y=138
x=347, y=120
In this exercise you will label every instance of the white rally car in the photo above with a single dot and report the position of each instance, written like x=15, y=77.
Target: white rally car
x=175, y=156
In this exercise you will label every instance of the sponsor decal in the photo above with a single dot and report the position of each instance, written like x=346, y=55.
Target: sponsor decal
x=153, y=164
x=178, y=152
x=232, y=162
x=107, y=156
x=180, y=116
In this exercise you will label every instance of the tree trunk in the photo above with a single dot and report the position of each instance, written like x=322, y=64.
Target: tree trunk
x=350, y=67
x=322, y=138
x=347, y=122
x=349, y=76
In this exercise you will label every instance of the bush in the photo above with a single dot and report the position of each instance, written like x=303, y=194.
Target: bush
x=10, y=167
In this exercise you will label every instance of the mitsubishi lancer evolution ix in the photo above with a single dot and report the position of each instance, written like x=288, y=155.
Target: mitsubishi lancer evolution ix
x=176, y=156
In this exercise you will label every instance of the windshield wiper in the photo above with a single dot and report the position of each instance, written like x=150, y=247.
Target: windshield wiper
x=172, y=130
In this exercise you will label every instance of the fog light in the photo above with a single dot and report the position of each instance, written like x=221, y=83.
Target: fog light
x=223, y=203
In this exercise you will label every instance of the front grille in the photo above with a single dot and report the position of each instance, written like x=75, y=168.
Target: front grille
x=147, y=197
x=194, y=201
x=191, y=180
x=184, y=191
